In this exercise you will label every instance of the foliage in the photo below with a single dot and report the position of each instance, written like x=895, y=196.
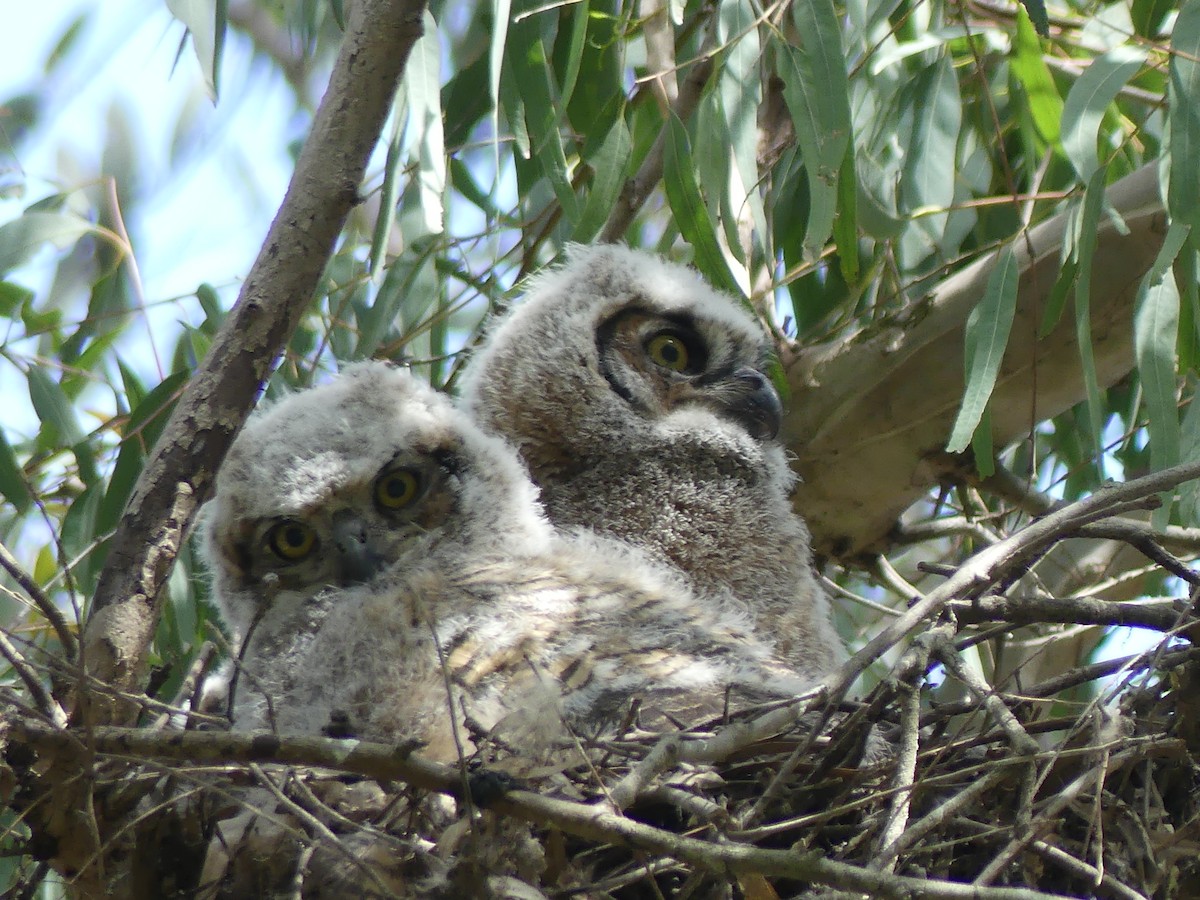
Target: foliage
x=830, y=162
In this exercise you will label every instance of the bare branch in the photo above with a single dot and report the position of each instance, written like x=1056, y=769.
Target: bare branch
x=44, y=604
x=583, y=820
x=178, y=476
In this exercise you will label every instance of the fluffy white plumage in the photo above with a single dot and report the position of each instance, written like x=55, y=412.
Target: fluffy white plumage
x=476, y=614
x=638, y=397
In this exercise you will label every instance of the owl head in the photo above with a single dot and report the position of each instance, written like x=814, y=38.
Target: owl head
x=617, y=342
x=330, y=486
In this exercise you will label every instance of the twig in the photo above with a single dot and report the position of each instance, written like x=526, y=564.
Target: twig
x=663, y=756
x=47, y=704
x=1160, y=615
x=913, y=667
x=44, y=604
x=983, y=693
x=319, y=830
x=583, y=820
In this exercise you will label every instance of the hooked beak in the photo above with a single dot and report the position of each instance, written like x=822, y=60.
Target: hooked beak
x=357, y=560
x=751, y=400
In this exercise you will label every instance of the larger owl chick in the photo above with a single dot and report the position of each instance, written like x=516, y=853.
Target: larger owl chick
x=324, y=491
x=638, y=397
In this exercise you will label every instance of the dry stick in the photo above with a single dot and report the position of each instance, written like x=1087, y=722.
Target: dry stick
x=664, y=755
x=915, y=663
x=279, y=287
x=320, y=831
x=46, y=704
x=1160, y=615
x=44, y=604
x=976, y=574
x=1047, y=818
x=591, y=822
x=984, y=694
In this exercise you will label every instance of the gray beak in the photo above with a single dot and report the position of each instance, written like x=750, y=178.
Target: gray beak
x=752, y=400
x=357, y=559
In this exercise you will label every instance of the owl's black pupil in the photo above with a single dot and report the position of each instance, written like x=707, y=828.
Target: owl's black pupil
x=293, y=536
x=395, y=488
x=670, y=351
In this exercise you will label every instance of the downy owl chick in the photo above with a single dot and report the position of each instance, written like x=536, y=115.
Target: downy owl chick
x=638, y=397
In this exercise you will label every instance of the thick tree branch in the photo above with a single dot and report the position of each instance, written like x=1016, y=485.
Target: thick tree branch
x=871, y=414
x=211, y=411
x=590, y=821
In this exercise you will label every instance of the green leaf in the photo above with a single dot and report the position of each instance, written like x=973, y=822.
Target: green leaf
x=930, y=167
x=845, y=225
x=1148, y=15
x=691, y=215
x=389, y=194
x=1183, y=116
x=53, y=408
x=739, y=91
x=1155, y=331
x=1087, y=101
x=201, y=17
x=1037, y=13
x=816, y=90
x=501, y=10
x=988, y=328
x=12, y=298
x=145, y=426
x=13, y=485
x=422, y=77
x=1045, y=105
x=1085, y=248
x=21, y=238
x=610, y=164
x=1189, y=451
x=531, y=71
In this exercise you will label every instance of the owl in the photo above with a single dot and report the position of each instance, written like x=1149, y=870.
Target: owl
x=639, y=399
x=390, y=569
x=394, y=579
x=324, y=491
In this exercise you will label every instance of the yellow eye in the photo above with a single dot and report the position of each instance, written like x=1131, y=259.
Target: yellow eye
x=292, y=540
x=668, y=351
x=397, y=489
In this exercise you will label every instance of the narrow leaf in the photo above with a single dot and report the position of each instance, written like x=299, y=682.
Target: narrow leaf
x=1089, y=223
x=691, y=215
x=1083, y=111
x=200, y=17
x=816, y=90
x=610, y=165
x=21, y=238
x=501, y=11
x=1155, y=330
x=1183, y=116
x=422, y=78
x=1045, y=105
x=987, y=333
x=53, y=407
x=13, y=486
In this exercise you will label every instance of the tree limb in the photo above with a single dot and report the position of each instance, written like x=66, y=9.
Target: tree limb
x=871, y=413
x=179, y=474
x=585, y=820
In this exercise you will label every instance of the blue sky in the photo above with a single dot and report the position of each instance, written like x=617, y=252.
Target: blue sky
x=207, y=178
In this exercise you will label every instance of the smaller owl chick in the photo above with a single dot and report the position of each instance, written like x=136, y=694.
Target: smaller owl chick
x=639, y=399
x=325, y=490
x=450, y=600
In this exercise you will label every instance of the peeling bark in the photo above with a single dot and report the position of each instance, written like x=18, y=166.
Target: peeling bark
x=870, y=415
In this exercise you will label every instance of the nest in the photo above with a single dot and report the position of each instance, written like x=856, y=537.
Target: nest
x=936, y=783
